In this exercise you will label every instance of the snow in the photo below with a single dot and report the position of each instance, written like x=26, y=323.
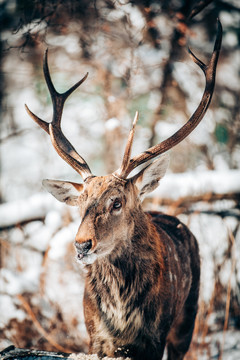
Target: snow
x=175, y=186
x=93, y=357
x=165, y=129
x=34, y=207
x=7, y=303
x=112, y=124
x=60, y=241
x=13, y=283
x=212, y=249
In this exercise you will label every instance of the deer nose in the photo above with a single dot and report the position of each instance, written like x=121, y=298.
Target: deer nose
x=83, y=248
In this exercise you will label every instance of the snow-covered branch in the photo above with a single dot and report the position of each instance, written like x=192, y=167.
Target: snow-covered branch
x=176, y=186
x=32, y=208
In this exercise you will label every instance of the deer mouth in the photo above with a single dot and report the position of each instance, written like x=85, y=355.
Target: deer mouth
x=80, y=256
x=85, y=253
x=86, y=259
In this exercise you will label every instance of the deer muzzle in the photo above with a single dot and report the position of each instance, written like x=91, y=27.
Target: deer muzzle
x=83, y=248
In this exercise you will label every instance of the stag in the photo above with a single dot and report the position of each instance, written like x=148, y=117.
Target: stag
x=142, y=269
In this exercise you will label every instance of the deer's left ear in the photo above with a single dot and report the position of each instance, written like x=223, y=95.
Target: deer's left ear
x=148, y=178
x=64, y=191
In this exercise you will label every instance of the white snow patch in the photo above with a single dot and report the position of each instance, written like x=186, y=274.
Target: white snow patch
x=9, y=311
x=112, y=124
x=34, y=207
x=60, y=241
x=17, y=283
x=174, y=186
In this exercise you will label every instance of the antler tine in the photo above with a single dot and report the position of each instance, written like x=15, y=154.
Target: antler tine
x=43, y=124
x=61, y=144
x=58, y=99
x=128, y=149
x=210, y=72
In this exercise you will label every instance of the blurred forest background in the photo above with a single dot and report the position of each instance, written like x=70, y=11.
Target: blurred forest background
x=137, y=59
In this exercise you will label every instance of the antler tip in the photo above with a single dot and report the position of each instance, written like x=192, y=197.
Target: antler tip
x=85, y=76
x=197, y=60
x=136, y=117
x=219, y=22
x=45, y=55
x=218, y=41
x=28, y=110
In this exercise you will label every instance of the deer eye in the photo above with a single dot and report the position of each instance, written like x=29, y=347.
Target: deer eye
x=117, y=204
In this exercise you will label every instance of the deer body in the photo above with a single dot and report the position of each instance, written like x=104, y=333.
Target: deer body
x=142, y=269
x=145, y=290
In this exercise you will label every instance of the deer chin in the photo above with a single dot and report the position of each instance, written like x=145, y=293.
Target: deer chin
x=87, y=259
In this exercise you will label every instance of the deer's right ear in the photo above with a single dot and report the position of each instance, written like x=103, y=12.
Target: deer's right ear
x=64, y=191
x=148, y=178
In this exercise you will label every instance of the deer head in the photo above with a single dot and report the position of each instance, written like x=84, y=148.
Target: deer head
x=109, y=205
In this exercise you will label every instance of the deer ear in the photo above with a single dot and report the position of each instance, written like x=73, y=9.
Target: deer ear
x=64, y=191
x=148, y=178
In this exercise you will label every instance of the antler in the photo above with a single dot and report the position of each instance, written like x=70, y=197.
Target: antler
x=209, y=71
x=128, y=149
x=61, y=144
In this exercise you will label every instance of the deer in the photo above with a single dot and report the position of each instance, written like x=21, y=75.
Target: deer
x=142, y=268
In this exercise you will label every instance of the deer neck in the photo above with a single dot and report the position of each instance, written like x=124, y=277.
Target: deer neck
x=133, y=254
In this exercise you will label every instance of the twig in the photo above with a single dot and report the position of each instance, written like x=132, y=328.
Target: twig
x=231, y=237
x=222, y=214
x=209, y=312
x=186, y=200
x=13, y=134
x=21, y=223
x=39, y=326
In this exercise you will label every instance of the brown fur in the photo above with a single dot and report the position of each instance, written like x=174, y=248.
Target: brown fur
x=142, y=289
